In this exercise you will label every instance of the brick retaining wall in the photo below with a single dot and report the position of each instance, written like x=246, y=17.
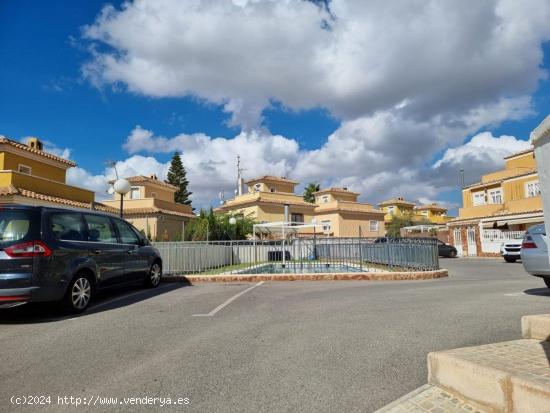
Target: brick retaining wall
x=374, y=276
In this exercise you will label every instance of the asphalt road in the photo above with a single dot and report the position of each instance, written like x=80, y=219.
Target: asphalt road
x=296, y=346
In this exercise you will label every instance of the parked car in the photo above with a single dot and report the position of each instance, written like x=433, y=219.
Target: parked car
x=511, y=250
x=446, y=250
x=534, y=253
x=55, y=254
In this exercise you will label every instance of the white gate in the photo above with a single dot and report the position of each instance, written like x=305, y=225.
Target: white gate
x=472, y=246
x=457, y=235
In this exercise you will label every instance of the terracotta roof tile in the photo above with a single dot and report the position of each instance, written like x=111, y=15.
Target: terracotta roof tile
x=143, y=178
x=497, y=214
x=272, y=178
x=155, y=210
x=12, y=190
x=337, y=190
x=531, y=149
x=396, y=201
x=20, y=145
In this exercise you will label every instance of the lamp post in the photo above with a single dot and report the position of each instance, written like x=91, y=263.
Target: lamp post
x=233, y=223
x=314, y=222
x=121, y=187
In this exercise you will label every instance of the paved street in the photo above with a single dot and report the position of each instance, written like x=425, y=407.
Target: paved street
x=302, y=346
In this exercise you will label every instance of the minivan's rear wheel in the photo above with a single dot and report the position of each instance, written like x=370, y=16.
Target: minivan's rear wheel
x=154, y=276
x=78, y=294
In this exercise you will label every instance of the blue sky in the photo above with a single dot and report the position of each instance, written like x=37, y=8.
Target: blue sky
x=45, y=94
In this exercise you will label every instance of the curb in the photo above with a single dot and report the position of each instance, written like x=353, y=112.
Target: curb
x=389, y=276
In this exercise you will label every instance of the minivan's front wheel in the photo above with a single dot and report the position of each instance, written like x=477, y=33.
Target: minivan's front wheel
x=78, y=294
x=154, y=275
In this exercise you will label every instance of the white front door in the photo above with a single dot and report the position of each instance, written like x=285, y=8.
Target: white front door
x=472, y=246
x=457, y=235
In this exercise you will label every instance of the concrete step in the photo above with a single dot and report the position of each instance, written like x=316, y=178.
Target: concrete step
x=536, y=326
x=432, y=399
x=509, y=377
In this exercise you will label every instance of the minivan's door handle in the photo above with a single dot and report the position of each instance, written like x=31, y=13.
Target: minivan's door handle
x=132, y=251
x=96, y=251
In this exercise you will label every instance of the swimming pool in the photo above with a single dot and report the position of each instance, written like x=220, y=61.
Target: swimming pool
x=300, y=268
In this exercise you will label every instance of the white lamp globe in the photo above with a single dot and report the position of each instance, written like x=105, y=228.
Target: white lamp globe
x=232, y=220
x=122, y=186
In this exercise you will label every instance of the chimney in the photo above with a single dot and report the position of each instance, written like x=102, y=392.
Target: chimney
x=35, y=143
x=154, y=177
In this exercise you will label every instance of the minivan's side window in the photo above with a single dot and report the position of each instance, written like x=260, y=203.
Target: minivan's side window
x=127, y=234
x=100, y=229
x=67, y=226
x=14, y=225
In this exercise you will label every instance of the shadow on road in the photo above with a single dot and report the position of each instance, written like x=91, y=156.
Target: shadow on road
x=544, y=292
x=113, y=298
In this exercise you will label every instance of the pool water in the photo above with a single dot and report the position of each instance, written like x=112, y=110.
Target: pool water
x=300, y=268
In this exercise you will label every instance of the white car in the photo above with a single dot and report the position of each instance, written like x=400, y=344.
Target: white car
x=534, y=253
x=511, y=250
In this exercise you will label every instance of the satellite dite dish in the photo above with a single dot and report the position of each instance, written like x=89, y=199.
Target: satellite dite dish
x=111, y=190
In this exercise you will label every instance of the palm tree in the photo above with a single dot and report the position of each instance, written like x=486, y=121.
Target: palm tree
x=309, y=190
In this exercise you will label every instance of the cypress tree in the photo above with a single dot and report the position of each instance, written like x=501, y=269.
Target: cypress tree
x=177, y=176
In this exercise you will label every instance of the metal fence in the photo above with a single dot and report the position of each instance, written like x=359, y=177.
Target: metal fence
x=299, y=255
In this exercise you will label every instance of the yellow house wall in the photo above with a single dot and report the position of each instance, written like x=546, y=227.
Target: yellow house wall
x=399, y=210
x=163, y=228
x=515, y=189
x=276, y=186
x=45, y=186
x=335, y=197
x=162, y=194
x=10, y=161
x=329, y=197
x=524, y=161
x=514, y=199
x=275, y=213
x=146, y=191
x=349, y=224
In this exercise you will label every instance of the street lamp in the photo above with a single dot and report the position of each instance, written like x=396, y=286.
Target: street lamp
x=314, y=222
x=121, y=187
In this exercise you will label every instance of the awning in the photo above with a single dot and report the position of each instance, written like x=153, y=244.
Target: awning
x=513, y=221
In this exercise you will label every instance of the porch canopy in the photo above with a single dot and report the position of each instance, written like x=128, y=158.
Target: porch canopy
x=423, y=228
x=283, y=228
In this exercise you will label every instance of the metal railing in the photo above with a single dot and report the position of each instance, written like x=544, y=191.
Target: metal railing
x=500, y=235
x=299, y=255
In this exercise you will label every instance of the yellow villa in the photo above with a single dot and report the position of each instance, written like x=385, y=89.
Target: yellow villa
x=398, y=207
x=343, y=216
x=336, y=209
x=150, y=207
x=433, y=213
x=29, y=175
x=499, y=207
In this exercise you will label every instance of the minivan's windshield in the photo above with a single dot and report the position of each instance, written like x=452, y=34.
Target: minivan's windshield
x=15, y=226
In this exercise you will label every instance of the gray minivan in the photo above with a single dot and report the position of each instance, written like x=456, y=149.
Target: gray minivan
x=66, y=255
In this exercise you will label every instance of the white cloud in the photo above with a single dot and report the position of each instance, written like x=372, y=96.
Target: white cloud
x=409, y=80
x=442, y=58
x=134, y=165
x=483, y=147
x=364, y=155
x=82, y=178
